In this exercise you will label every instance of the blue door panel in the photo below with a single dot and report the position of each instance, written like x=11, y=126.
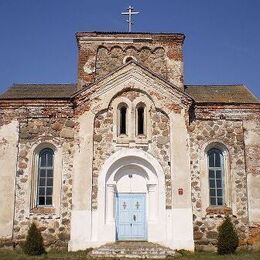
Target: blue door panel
x=131, y=220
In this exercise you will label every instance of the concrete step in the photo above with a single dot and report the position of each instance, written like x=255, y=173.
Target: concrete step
x=132, y=249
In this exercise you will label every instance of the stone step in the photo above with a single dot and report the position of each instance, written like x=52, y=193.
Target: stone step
x=132, y=249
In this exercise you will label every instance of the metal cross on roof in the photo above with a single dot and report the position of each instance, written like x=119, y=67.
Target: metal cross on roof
x=130, y=13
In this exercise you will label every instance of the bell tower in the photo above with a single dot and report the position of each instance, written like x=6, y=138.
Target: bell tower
x=101, y=53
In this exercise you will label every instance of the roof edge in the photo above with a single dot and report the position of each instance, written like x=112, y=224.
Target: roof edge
x=226, y=103
x=139, y=65
x=10, y=92
x=108, y=36
x=91, y=33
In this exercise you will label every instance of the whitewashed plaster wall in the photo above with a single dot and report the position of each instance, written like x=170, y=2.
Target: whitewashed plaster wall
x=182, y=227
x=252, y=146
x=81, y=214
x=86, y=222
x=8, y=160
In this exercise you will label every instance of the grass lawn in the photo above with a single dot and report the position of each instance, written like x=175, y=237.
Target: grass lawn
x=14, y=255
x=213, y=256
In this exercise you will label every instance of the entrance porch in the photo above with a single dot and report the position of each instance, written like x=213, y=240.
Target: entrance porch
x=131, y=205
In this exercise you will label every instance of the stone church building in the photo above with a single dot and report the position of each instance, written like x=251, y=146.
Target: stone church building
x=129, y=153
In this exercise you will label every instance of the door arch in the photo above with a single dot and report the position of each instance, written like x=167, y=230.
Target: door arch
x=113, y=179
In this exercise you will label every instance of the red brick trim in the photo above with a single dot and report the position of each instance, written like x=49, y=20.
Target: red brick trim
x=218, y=210
x=43, y=210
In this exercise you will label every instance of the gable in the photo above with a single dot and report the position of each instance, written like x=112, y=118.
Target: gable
x=132, y=76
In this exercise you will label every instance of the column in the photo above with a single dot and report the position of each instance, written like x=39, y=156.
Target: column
x=110, y=203
x=182, y=221
x=81, y=215
x=153, y=202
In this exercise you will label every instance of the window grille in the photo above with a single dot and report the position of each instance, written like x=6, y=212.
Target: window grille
x=45, y=177
x=216, y=177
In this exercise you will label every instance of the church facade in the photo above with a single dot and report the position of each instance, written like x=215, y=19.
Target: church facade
x=129, y=153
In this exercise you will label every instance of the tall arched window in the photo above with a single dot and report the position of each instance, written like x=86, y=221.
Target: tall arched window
x=45, y=177
x=122, y=116
x=216, y=177
x=140, y=119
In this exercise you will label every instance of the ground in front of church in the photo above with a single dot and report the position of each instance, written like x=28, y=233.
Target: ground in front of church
x=15, y=255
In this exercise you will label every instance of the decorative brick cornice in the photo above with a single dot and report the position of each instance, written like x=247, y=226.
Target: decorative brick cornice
x=43, y=210
x=219, y=211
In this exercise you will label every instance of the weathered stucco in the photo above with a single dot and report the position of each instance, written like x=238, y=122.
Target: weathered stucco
x=128, y=86
x=169, y=158
x=105, y=143
x=53, y=222
x=252, y=148
x=252, y=152
x=8, y=161
x=34, y=129
x=228, y=136
x=101, y=54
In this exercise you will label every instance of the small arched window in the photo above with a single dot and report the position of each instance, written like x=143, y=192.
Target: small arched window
x=140, y=120
x=45, y=177
x=216, y=177
x=122, y=119
x=128, y=59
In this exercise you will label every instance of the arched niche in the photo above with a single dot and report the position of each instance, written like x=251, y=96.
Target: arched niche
x=131, y=179
x=132, y=171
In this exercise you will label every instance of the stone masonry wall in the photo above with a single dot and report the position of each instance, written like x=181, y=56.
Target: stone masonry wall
x=252, y=145
x=109, y=60
x=103, y=147
x=38, y=125
x=105, y=143
x=101, y=54
x=249, y=116
x=230, y=135
x=160, y=148
x=252, y=151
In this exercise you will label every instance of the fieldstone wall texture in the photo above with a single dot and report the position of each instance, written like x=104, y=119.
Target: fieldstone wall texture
x=160, y=149
x=103, y=148
x=229, y=134
x=109, y=60
x=54, y=123
x=38, y=125
x=233, y=127
x=100, y=54
x=105, y=143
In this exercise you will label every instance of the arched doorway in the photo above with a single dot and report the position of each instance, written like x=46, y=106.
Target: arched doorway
x=131, y=198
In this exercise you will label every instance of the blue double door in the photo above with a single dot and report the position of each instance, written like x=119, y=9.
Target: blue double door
x=131, y=219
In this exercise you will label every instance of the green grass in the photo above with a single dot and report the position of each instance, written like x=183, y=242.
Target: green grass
x=18, y=255
x=213, y=256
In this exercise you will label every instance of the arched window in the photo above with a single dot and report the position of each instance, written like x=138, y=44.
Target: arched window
x=122, y=111
x=216, y=177
x=140, y=120
x=128, y=59
x=45, y=177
